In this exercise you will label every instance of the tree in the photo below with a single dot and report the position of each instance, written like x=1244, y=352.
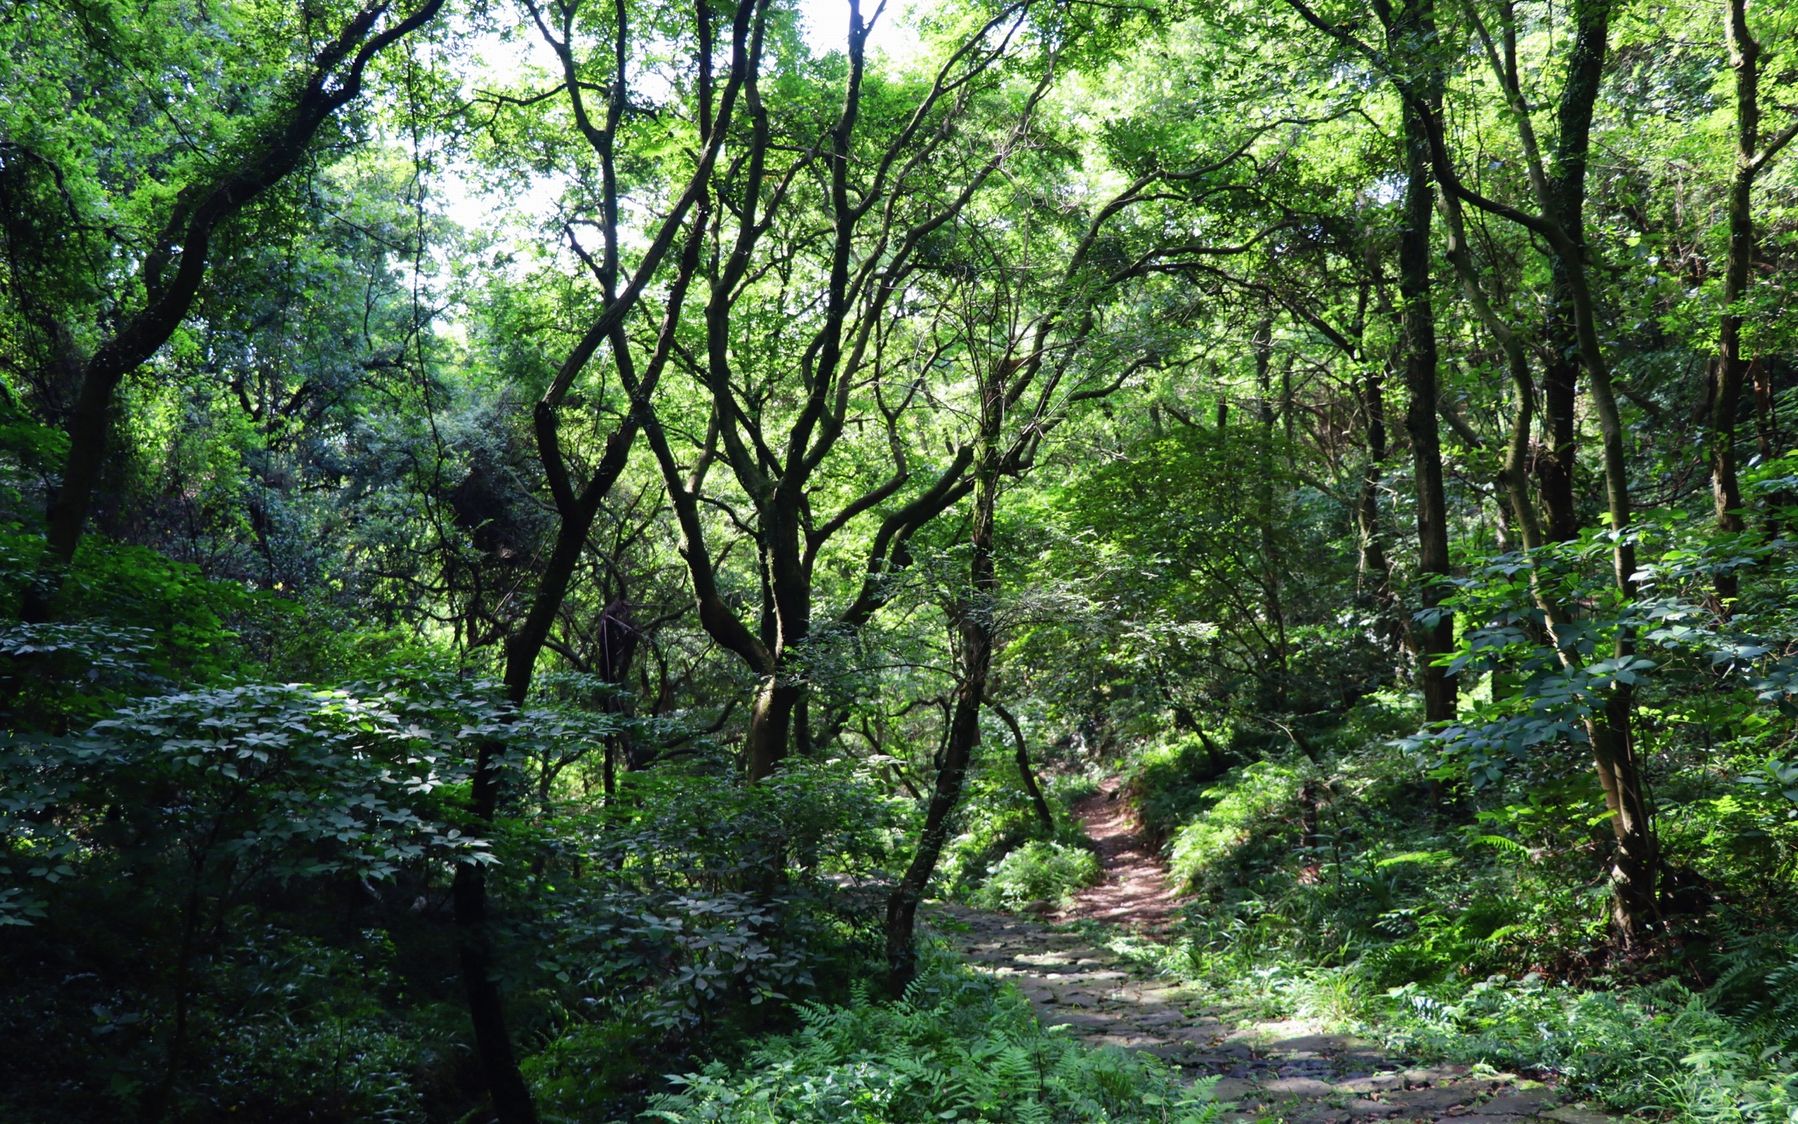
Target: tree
x=168, y=273
x=892, y=169
x=1752, y=155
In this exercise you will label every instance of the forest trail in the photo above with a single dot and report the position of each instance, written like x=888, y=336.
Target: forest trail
x=1289, y=1071
x=1134, y=891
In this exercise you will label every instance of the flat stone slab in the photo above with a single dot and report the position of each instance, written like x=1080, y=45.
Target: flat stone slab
x=1363, y=1109
x=1437, y=1098
x=1522, y=1102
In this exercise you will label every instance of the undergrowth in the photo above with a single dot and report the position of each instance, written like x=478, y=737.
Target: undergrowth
x=1478, y=934
x=1038, y=872
x=1003, y=857
x=956, y=1047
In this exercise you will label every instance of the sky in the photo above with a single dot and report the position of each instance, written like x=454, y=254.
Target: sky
x=826, y=28
x=827, y=23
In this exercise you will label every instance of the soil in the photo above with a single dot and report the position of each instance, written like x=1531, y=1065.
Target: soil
x=1134, y=891
x=1289, y=1070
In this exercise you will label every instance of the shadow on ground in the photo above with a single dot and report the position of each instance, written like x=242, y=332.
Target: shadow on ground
x=1270, y=1071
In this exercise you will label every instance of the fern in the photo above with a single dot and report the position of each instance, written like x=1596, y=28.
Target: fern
x=1503, y=843
x=955, y=1047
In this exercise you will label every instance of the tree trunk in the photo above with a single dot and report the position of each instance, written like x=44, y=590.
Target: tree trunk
x=1635, y=909
x=1555, y=464
x=770, y=726
x=1766, y=421
x=1372, y=565
x=1273, y=688
x=576, y=511
x=976, y=626
x=1044, y=816
x=1731, y=368
x=1435, y=638
x=1560, y=223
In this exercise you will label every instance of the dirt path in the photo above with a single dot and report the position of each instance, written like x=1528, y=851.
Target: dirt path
x=1272, y=1071
x=1135, y=891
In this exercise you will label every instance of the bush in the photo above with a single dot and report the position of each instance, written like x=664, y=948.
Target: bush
x=997, y=818
x=1038, y=872
x=1166, y=782
x=1242, y=824
x=957, y=1047
x=1661, y=1048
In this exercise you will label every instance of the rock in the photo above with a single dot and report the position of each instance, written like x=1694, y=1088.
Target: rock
x=1363, y=1109
x=1438, y=1099
x=1375, y=1083
x=1522, y=1102
x=1299, y=1087
x=1577, y=1114
x=1234, y=1088
x=1434, y=1074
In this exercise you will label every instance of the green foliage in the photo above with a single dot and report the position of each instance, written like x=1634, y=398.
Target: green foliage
x=1249, y=816
x=688, y=911
x=956, y=1047
x=1165, y=779
x=146, y=621
x=270, y=783
x=1039, y=872
x=310, y=1029
x=997, y=819
x=331, y=475
x=1660, y=1048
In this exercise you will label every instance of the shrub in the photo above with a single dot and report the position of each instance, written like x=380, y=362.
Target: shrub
x=1038, y=872
x=1167, y=779
x=956, y=1047
x=1660, y=1047
x=1243, y=823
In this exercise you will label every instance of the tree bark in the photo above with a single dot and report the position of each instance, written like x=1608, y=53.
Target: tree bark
x=1044, y=815
x=1731, y=365
x=1730, y=373
x=1637, y=863
x=1435, y=637
x=770, y=726
x=1274, y=685
x=1372, y=565
x=576, y=511
x=1559, y=223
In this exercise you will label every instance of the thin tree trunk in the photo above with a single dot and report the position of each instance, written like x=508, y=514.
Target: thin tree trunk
x=1374, y=568
x=1274, y=694
x=1731, y=366
x=1637, y=864
x=1766, y=420
x=1731, y=369
x=1022, y=754
x=976, y=626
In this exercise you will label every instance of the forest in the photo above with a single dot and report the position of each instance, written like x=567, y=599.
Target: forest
x=848, y=561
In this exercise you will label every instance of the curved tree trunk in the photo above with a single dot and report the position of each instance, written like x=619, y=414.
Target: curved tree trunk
x=174, y=270
x=1044, y=815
